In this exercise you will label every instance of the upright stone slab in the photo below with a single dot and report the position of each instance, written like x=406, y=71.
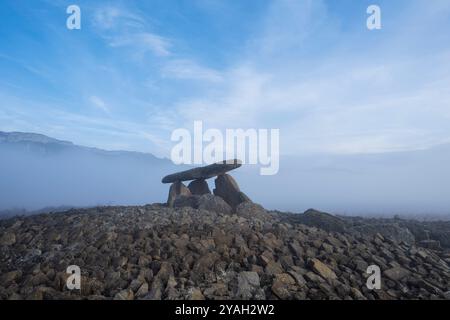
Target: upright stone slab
x=228, y=189
x=199, y=187
x=177, y=189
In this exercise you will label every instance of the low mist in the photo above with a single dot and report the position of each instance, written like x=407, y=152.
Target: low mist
x=37, y=175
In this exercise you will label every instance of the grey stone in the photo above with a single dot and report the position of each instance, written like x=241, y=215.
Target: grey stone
x=199, y=187
x=430, y=244
x=321, y=220
x=283, y=286
x=396, y=273
x=7, y=239
x=213, y=203
x=206, y=172
x=205, y=202
x=248, y=283
x=124, y=295
x=228, y=189
x=177, y=189
x=251, y=210
x=321, y=269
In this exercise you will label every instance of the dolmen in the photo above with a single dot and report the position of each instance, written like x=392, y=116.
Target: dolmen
x=226, y=195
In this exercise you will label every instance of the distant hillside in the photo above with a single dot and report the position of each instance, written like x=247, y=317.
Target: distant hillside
x=41, y=144
x=38, y=171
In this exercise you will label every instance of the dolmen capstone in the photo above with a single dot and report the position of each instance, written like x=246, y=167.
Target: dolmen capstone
x=227, y=194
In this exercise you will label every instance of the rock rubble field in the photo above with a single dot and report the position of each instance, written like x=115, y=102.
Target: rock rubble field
x=157, y=252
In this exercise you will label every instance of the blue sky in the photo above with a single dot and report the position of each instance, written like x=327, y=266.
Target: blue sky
x=137, y=70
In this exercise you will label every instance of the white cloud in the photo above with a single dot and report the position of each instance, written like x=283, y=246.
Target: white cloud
x=341, y=97
x=124, y=28
x=351, y=101
x=142, y=43
x=116, y=18
x=99, y=104
x=110, y=133
x=349, y=110
x=188, y=69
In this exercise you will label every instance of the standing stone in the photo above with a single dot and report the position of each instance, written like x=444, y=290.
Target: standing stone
x=228, y=189
x=177, y=189
x=199, y=187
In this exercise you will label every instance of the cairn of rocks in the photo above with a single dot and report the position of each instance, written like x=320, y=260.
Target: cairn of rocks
x=226, y=196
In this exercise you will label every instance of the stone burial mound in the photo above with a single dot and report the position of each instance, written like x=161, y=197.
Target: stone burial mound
x=226, y=196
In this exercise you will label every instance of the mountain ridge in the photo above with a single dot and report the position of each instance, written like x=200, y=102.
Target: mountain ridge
x=16, y=137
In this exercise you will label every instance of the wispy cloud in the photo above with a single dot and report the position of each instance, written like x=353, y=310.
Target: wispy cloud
x=324, y=80
x=142, y=43
x=124, y=28
x=348, y=101
x=110, y=133
x=115, y=17
x=100, y=104
x=188, y=69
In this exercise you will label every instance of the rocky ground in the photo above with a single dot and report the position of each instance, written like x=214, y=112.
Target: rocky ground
x=155, y=252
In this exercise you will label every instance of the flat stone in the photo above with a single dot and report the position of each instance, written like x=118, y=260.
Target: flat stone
x=7, y=239
x=273, y=268
x=298, y=278
x=206, y=172
x=397, y=273
x=9, y=277
x=282, y=285
x=196, y=294
x=430, y=244
x=248, y=282
x=143, y=290
x=321, y=269
x=126, y=294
